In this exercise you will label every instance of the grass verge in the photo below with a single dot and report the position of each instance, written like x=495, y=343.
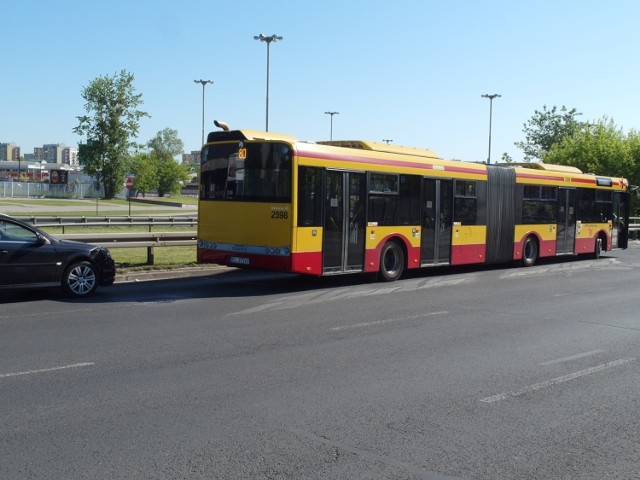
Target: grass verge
x=165, y=258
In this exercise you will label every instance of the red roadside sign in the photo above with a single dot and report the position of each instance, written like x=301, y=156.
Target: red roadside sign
x=129, y=183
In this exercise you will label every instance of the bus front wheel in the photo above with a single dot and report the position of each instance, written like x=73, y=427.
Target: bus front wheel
x=530, y=252
x=391, y=262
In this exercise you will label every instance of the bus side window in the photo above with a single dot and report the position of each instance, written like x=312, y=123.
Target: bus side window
x=309, y=197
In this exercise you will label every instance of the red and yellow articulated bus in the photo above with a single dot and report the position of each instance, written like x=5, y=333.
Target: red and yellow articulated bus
x=269, y=201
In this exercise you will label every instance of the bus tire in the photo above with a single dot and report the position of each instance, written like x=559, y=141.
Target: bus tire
x=391, y=262
x=530, y=252
x=598, y=248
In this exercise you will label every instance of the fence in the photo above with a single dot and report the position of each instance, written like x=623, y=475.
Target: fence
x=40, y=190
x=70, y=191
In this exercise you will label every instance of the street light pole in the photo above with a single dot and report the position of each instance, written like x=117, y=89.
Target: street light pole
x=267, y=40
x=490, y=97
x=331, y=130
x=203, y=83
x=98, y=172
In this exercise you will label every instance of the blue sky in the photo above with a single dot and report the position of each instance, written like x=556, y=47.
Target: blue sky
x=408, y=70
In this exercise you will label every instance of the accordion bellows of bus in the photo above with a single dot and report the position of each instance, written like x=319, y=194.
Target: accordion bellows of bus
x=272, y=202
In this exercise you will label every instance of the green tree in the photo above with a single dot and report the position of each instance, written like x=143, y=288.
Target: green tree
x=145, y=167
x=547, y=128
x=165, y=147
x=506, y=158
x=600, y=148
x=111, y=124
x=166, y=144
x=171, y=177
x=633, y=141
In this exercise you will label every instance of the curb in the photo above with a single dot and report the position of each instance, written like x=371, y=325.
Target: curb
x=146, y=275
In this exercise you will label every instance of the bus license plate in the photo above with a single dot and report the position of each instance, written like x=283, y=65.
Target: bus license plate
x=239, y=260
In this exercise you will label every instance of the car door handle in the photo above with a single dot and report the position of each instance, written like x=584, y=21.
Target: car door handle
x=3, y=252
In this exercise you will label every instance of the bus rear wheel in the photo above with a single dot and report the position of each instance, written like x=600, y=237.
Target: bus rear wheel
x=598, y=248
x=391, y=262
x=529, y=252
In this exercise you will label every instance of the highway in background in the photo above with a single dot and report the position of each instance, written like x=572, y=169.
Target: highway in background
x=501, y=373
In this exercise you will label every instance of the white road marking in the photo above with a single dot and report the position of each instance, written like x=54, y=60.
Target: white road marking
x=347, y=293
x=572, y=357
x=259, y=308
x=43, y=370
x=388, y=320
x=557, y=380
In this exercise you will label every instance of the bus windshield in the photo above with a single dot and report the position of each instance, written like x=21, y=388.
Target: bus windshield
x=240, y=171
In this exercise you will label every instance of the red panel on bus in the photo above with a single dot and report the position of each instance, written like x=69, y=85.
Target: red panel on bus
x=259, y=262
x=372, y=260
x=307, y=262
x=468, y=254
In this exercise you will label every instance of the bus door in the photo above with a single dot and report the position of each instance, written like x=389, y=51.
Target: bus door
x=620, y=234
x=566, y=221
x=344, y=221
x=437, y=218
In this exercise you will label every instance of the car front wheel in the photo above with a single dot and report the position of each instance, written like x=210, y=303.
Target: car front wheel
x=80, y=279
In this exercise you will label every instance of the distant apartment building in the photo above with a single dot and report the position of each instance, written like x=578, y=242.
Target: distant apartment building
x=192, y=158
x=53, y=152
x=38, y=154
x=56, y=153
x=70, y=156
x=9, y=151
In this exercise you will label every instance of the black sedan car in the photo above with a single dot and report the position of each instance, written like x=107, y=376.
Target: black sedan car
x=30, y=257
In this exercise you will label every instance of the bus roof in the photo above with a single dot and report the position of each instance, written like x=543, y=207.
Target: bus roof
x=543, y=166
x=237, y=135
x=381, y=147
x=257, y=135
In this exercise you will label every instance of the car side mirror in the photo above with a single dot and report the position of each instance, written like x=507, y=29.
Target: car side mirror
x=41, y=240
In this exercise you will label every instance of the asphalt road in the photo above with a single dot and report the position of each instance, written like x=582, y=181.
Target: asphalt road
x=502, y=373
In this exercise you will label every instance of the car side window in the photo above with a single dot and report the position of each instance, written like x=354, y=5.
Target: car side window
x=10, y=232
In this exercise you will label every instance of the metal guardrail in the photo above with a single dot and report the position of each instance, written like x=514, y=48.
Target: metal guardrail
x=115, y=221
x=149, y=239
x=129, y=240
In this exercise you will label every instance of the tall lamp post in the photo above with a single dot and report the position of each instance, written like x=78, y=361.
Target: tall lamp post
x=203, y=83
x=490, y=97
x=331, y=128
x=267, y=40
